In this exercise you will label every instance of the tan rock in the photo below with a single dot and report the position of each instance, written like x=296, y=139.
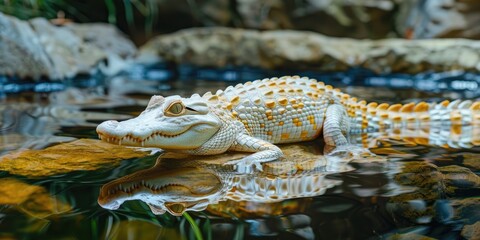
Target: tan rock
x=459, y=177
x=219, y=47
x=471, y=160
x=409, y=236
x=471, y=232
x=80, y=155
x=466, y=210
x=33, y=200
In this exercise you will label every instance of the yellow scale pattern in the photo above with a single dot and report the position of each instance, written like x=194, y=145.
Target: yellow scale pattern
x=278, y=110
x=292, y=109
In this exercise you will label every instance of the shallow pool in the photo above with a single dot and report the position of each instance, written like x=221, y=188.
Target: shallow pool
x=52, y=170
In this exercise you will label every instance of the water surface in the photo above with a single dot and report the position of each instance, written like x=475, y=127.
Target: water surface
x=426, y=186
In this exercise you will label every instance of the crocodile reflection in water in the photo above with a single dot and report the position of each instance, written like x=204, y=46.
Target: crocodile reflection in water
x=178, y=185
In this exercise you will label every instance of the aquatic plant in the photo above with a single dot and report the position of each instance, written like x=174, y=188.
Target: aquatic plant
x=78, y=10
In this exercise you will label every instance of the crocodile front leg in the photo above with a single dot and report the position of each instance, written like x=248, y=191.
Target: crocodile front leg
x=263, y=152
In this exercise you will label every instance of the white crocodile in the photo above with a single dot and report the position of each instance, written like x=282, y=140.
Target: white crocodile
x=254, y=116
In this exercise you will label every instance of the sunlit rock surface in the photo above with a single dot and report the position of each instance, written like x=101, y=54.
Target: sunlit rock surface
x=37, y=48
x=32, y=200
x=218, y=47
x=80, y=155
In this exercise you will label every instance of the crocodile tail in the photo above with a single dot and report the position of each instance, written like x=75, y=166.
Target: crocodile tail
x=411, y=115
x=449, y=124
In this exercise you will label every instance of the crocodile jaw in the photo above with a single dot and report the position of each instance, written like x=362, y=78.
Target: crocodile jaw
x=150, y=130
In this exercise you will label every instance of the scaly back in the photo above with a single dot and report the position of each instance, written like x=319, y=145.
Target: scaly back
x=278, y=110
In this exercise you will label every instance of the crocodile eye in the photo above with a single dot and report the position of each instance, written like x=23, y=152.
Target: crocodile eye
x=175, y=109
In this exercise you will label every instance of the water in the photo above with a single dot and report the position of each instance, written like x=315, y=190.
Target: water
x=415, y=188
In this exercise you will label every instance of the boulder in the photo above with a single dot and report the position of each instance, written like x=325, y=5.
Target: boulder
x=69, y=54
x=37, y=48
x=104, y=36
x=438, y=19
x=21, y=52
x=372, y=19
x=287, y=49
x=79, y=155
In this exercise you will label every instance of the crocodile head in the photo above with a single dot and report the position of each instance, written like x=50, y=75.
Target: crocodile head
x=171, y=123
x=172, y=190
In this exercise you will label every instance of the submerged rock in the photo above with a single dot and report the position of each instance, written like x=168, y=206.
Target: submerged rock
x=466, y=210
x=37, y=48
x=219, y=47
x=437, y=194
x=471, y=232
x=409, y=236
x=80, y=155
x=32, y=200
x=141, y=229
x=459, y=177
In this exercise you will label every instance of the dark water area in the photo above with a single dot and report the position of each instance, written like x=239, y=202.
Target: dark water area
x=419, y=185
x=462, y=84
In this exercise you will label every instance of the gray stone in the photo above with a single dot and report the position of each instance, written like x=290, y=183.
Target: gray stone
x=37, y=48
x=280, y=49
x=21, y=52
x=372, y=19
x=69, y=54
x=104, y=36
x=439, y=18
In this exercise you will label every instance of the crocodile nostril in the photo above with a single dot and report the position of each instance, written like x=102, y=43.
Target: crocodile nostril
x=112, y=123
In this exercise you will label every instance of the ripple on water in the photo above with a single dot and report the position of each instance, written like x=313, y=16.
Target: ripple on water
x=418, y=188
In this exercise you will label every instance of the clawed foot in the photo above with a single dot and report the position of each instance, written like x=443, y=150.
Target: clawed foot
x=245, y=165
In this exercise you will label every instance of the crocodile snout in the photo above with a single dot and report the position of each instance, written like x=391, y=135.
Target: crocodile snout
x=107, y=127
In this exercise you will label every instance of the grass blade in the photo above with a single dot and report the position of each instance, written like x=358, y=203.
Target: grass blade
x=129, y=13
x=112, y=11
x=193, y=224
